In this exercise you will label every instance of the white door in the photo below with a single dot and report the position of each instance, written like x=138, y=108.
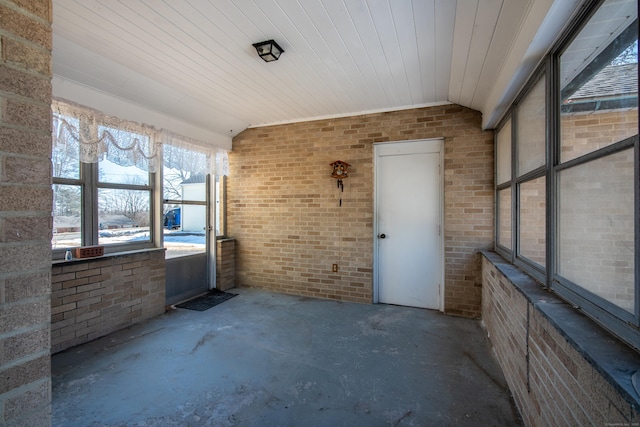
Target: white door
x=408, y=264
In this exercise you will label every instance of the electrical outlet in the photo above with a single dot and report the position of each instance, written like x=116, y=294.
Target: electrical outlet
x=335, y=268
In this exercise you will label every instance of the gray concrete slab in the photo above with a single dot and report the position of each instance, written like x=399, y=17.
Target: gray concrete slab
x=265, y=359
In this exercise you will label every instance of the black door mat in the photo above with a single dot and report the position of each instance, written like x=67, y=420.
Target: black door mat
x=205, y=302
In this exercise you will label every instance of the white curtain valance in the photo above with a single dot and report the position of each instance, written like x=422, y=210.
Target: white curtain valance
x=125, y=143
x=217, y=160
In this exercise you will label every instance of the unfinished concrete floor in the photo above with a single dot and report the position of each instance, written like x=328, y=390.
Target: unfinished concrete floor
x=265, y=359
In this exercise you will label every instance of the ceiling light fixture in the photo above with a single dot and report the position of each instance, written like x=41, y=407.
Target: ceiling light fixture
x=269, y=50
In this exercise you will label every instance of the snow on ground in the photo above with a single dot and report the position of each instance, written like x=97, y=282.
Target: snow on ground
x=177, y=243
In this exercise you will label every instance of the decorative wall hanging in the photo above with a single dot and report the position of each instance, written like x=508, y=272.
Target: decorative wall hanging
x=340, y=170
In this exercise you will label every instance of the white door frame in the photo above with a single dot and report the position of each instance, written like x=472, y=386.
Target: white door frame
x=436, y=145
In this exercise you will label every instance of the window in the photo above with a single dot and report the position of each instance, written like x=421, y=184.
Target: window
x=596, y=227
x=532, y=220
x=184, y=161
x=503, y=177
x=522, y=138
x=124, y=187
x=530, y=142
x=504, y=223
x=595, y=174
x=107, y=182
x=530, y=129
x=503, y=163
x=67, y=183
x=576, y=154
x=184, y=194
x=102, y=183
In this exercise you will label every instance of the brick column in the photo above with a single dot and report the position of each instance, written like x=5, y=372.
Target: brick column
x=25, y=212
x=226, y=264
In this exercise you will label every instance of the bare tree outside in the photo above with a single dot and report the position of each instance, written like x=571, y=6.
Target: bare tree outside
x=180, y=164
x=66, y=200
x=133, y=204
x=65, y=157
x=627, y=56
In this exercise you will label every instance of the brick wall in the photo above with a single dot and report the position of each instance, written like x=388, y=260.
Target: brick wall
x=226, y=264
x=559, y=387
x=94, y=297
x=283, y=207
x=596, y=212
x=533, y=214
x=586, y=132
x=25, y=213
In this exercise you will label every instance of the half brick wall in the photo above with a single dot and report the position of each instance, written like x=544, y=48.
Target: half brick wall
x=94, y=297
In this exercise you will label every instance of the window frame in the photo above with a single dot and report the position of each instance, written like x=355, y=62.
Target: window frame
x=607, y=313
x=516, y=181
x=221, y=196
x=90, y=184
x=88, y=122
x=506, y=185
x=620, y=322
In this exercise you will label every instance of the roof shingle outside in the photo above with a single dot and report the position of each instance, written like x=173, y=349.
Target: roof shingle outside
x=612, y=80
x=196, y=178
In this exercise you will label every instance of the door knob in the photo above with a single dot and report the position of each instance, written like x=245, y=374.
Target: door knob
x=382, y=236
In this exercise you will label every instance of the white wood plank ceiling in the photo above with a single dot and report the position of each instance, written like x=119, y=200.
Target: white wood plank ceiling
x=193, y=60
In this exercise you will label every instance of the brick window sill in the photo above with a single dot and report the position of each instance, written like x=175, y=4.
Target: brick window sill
x=614, y=360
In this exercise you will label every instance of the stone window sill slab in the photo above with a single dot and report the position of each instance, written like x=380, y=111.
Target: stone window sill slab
x=614, y=360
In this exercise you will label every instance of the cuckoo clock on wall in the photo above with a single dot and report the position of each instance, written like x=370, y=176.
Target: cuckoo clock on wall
x=339, y=171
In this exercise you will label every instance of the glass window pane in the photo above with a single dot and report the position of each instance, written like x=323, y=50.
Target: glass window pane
x=504, y=219
x=187, y=236
x=503, y=162
x=113, y=173
x=194, y=188
x=123, y=216
x=65, y=153
x=599, y=75
x=124, y=157
x=184, y=175
x=596, y=227
x=67, y=220
x=533, y=220
x=531, y=129
x=181, y=168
